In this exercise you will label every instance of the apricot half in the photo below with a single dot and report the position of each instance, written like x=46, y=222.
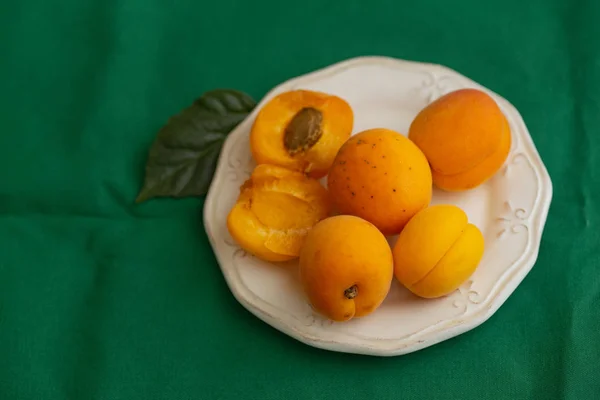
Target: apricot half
x=381, y=176
x=301, y=130
x=275, y=210
x=346, y=267
x=437, y=251
x=465, y=137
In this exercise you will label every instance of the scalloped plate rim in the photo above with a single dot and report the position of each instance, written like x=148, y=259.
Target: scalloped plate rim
x=538, y=215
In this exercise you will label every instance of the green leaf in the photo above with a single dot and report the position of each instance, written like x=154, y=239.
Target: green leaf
x=182, y=159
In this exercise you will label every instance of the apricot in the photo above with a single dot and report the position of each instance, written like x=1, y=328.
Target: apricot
x=301, y=130
x=437, y=251
x=465, y=137
x=381, y=176
x=346, y=267
x=275, y=210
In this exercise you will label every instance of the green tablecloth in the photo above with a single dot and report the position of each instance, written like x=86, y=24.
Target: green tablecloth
x=104, y=299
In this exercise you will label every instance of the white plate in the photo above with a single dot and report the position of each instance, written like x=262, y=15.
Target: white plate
x=510, y=209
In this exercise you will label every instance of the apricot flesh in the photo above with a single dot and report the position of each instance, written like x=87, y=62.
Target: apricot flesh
x=437, y=251
x=275, y=210
x=346, y=267
x=381, y=176
x=301, y=130
x=465, y=137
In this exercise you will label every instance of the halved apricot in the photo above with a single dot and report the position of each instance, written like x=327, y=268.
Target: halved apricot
x=301, y=130
x=275, y=210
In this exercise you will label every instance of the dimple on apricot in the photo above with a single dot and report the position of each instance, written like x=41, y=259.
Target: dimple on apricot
x=346, y=267
x=301, y=130
x=275, y=210
x=381, y=176
x=465, y=137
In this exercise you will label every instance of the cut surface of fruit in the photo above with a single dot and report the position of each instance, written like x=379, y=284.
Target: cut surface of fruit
x=301, y=130
x=275, y=210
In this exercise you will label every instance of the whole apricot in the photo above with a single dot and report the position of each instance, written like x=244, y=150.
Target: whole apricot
x=346, y=267
x=465, y=137
x=437, y=251
x=301, y=130
x=381, y=176
x=275, y=210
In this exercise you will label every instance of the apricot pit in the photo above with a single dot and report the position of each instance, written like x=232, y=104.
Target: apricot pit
x=301, y=130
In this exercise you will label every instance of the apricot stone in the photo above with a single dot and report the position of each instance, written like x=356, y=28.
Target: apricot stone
x=275, y=210
x=437, y=251
x=346, y=267
x=381, y=176
x=465, y=137
x=301, y=130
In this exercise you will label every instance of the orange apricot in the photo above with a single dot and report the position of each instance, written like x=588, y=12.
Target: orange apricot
x=346, y=267
x=275, y=210
x=301, y=130
x=381, y=176
x=465, y=137
x=437, y=251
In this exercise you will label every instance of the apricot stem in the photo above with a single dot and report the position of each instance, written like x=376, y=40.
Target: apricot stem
x=351, y=292
x=303, y=131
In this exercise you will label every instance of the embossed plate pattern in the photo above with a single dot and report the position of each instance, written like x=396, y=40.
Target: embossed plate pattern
x=510, y=209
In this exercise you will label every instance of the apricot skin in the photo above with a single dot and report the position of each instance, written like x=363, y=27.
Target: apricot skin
x=476, y=176
x=465, y=137
x=275, y=210
x=381, y=176
x=269, y=127
x=344, y=256
x=437, y=251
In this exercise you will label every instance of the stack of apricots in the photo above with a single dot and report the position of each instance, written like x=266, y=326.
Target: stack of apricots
x=379, y=185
